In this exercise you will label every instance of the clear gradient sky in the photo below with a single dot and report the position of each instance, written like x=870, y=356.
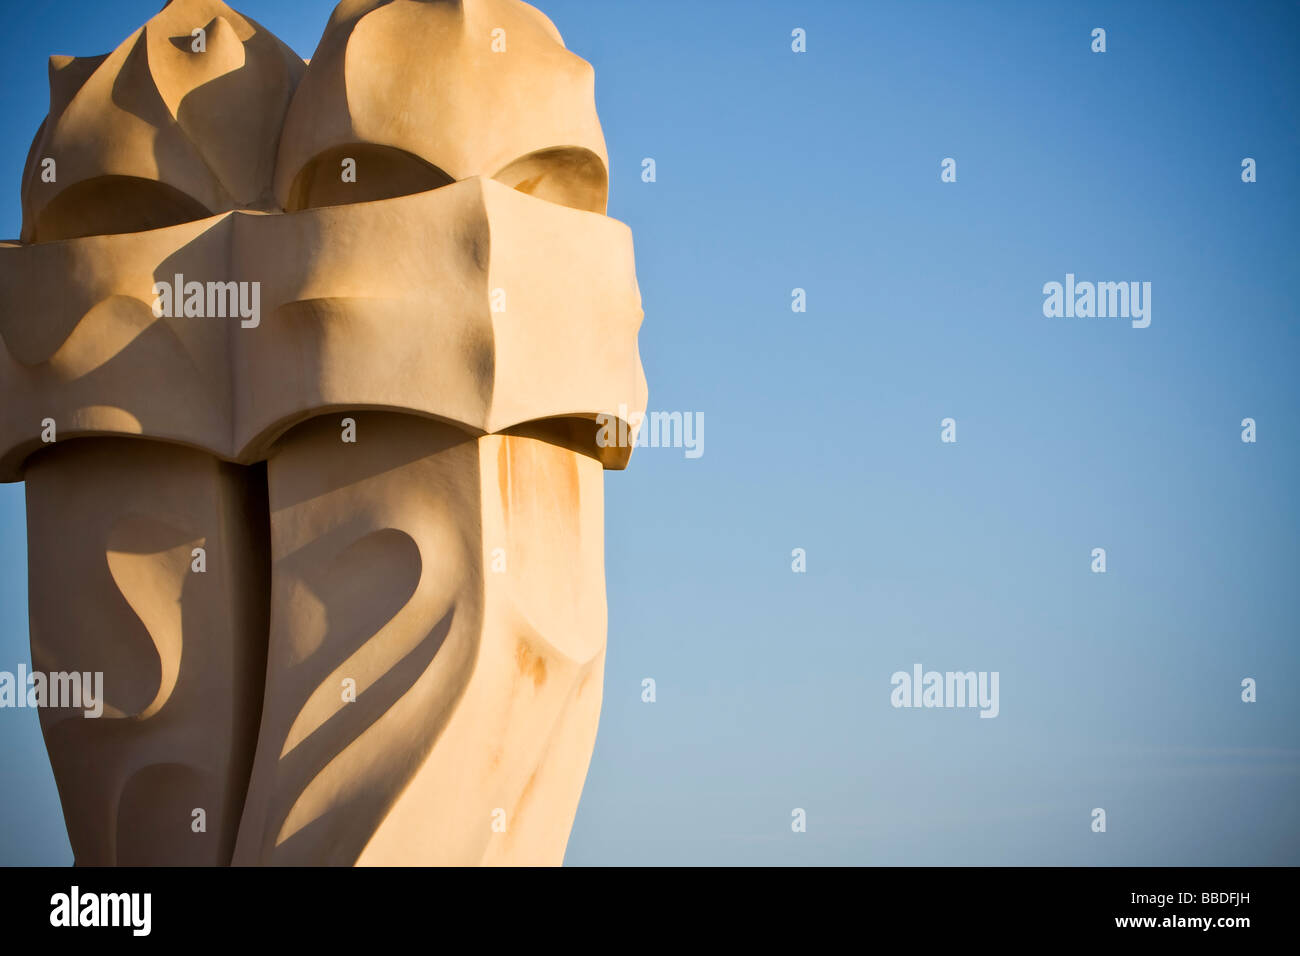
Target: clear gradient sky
x=821, y=170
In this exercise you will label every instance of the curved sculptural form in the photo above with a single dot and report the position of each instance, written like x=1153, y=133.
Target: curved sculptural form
x=309, y=369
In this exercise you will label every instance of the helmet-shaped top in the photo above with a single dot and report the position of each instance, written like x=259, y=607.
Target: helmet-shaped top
x=425, y=92
x=180, y=122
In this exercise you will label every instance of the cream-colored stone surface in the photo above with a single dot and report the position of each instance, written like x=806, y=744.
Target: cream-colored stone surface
x=112, y=525
x=478, y=680
x=395, y=652
x=155, y=133
x=385, y=304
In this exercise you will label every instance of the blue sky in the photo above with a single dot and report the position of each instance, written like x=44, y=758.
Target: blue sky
x=820, y=170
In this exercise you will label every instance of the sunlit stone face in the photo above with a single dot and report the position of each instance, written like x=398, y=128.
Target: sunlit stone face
x=302, y=366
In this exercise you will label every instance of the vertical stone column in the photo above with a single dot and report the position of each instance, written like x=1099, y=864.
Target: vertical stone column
x=180, y=639
x=437, y=639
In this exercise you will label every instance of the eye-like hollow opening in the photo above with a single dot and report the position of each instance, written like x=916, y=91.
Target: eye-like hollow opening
x=362, y=172
x=112, y=205
x=567, y=175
